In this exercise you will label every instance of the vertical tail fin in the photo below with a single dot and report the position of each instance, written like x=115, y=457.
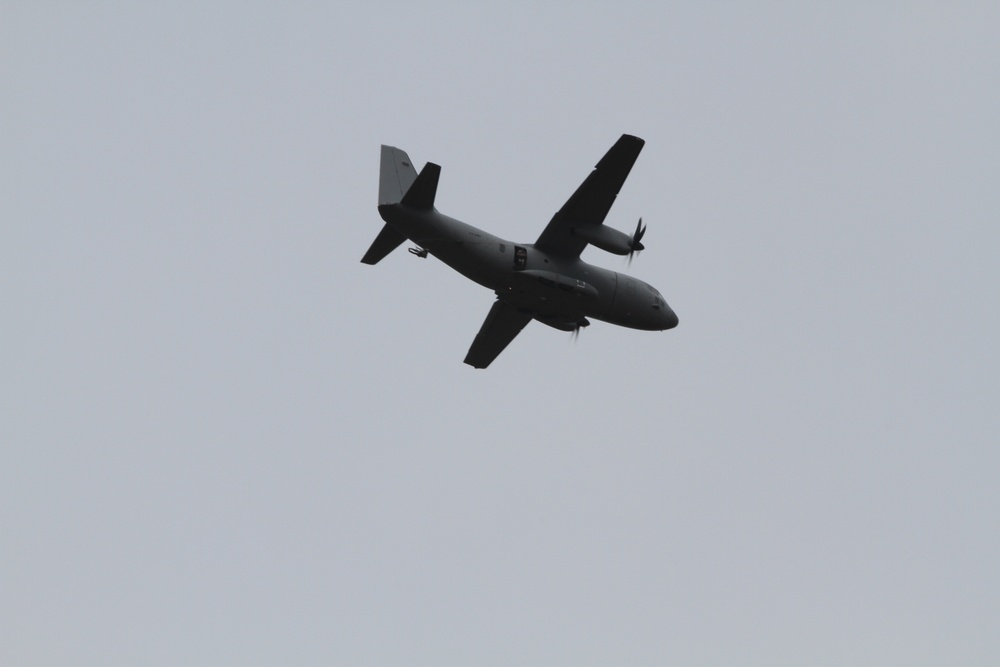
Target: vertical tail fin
x=396, y=175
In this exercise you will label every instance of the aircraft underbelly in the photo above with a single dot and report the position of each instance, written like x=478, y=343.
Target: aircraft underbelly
x=557, y=292
x=467, y=249
x=475, y=261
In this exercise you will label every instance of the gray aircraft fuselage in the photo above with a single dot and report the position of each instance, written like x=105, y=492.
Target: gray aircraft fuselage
x=560, y=292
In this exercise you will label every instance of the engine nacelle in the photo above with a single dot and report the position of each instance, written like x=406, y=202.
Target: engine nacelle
x=605, y=238
x=570, y=325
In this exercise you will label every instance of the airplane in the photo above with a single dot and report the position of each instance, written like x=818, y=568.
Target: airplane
x=545, y=281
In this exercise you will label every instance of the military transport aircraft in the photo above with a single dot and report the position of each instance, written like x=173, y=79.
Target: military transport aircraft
x=546, y=281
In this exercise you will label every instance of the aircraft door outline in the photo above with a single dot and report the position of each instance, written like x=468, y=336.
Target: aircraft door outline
x=520, y=258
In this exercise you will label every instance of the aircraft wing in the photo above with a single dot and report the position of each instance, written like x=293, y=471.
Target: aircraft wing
x=591, y=202
x=502, y=325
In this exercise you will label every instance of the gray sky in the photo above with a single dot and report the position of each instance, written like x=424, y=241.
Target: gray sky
x=226, y=441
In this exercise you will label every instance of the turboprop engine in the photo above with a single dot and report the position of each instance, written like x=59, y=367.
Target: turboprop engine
x=612, y=240
x=605, y=238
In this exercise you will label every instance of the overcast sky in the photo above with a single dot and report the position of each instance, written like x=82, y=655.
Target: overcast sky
x=225, y=441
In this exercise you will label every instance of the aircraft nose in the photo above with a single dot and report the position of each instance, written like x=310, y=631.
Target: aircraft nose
x=669, y=318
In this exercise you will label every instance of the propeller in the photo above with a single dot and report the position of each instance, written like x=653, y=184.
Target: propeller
x=635, y=244
x=575, y=331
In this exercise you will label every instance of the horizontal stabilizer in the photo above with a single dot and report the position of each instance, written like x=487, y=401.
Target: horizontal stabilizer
x=387, y=240
x=421, y=194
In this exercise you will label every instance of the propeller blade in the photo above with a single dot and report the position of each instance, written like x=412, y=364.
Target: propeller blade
x=635, y=245
x=640, y=231
x=575, y=332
